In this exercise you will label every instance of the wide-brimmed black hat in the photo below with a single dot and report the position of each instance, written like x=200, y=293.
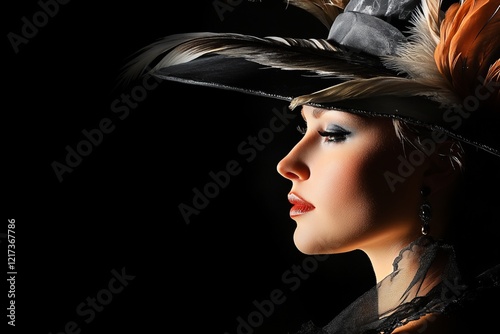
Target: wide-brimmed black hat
x=405, y=59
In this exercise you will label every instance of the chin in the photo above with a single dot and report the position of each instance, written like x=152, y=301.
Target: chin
x=306, y=244
x=313, y=242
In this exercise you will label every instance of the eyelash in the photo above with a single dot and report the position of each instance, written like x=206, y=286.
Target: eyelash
x=330, y=136
x=334, y=136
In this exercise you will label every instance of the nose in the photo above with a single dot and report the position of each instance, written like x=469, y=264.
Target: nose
x=293, y=167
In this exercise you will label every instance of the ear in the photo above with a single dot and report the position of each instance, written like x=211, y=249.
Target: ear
x=444, y=166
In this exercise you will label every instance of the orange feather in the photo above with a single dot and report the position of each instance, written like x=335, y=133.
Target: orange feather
x=469, y=50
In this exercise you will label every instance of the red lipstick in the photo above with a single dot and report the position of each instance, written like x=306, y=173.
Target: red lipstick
x=300, y=206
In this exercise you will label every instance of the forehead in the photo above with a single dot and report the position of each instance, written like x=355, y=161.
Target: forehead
x=340, y=114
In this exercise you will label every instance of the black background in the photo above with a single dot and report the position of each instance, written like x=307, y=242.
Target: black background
x=118, y=209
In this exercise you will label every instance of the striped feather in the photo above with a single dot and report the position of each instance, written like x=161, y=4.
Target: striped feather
x=315, y=56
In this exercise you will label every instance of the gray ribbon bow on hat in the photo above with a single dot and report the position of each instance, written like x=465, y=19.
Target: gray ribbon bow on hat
x=365, y=25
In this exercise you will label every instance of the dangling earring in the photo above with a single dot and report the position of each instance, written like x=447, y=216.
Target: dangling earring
x=425, y=211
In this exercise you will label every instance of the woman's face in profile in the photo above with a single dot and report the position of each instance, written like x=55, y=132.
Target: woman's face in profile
x=341, y=198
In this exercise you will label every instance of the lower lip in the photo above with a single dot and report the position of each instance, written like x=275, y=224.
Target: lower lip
x=300, y=209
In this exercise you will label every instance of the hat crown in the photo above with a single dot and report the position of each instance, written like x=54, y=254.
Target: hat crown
x=371, y=26
x=392, y=9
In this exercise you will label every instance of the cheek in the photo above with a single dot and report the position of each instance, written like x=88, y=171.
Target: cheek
x=348, y=196
x=343, y=184
x=387, y=207
x=353, y=197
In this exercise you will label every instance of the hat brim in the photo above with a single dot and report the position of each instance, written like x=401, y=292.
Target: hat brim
x=245, y=76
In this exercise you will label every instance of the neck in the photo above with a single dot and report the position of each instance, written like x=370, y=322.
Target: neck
x=383, y=254
x=420, y=268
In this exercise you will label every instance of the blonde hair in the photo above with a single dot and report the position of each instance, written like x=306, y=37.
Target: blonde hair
x=412, y=135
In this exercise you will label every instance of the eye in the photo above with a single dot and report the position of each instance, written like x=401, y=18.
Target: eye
x=336, y=136
x=302, y=129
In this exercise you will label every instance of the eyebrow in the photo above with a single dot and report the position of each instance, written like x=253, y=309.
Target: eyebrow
x=317, y=112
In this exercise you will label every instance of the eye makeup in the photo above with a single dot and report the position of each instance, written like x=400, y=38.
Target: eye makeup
x=334, y=133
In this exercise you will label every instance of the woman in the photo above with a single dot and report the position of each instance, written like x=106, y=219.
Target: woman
x=342, y=202
x=401, y=104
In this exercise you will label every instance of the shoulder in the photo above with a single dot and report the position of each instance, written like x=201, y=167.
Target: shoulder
x=471, y=314
x=429, y=324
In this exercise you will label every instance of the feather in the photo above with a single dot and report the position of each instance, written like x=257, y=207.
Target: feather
x=324, y=10
x=429, y=63
x=413, y=59
x=275, y=52
x=207, y=42
x=144, y=57
x=469, y=50
x=362, y=88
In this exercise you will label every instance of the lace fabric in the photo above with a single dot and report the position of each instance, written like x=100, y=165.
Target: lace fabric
x=425, y=281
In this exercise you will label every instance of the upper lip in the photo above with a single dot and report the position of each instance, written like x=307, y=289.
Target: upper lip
x=300, y=203
x=297, y=200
